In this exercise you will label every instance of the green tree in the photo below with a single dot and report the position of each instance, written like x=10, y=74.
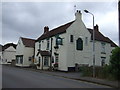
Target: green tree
x=115, y=63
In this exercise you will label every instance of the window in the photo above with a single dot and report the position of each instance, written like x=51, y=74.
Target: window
x=39, y=44
x=56, y=58
x=86, y=40
x=39, y=60
x=79, y=44
x=102, y=61
x=17, y=58
x=71, y=38
x=59, y=41
x=103, y=47
x=21, y=59
x=30, y=58
x=48, y=43
x=52, y=59
x=46, y=63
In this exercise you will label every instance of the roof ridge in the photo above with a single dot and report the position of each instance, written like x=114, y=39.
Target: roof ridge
x=62, y=25
x=27, y=38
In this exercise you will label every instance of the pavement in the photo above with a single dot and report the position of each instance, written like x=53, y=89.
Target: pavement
x=78, y=76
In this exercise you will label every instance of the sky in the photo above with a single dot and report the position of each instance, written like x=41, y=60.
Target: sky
x=27, y=19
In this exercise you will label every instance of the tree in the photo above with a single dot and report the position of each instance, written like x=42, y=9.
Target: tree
x=115, y=63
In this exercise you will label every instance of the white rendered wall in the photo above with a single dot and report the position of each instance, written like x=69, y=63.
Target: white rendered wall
x=9, y=54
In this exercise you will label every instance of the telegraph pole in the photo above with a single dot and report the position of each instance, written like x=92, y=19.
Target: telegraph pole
x=119, y=20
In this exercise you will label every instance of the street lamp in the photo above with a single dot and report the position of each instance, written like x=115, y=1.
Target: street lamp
x=93, y=43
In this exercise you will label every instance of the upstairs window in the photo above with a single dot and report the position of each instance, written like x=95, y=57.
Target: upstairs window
x=86, y=41
x=48, y=44
x=39, y=44
x=103, y=47
x=79, y=44
x=59, y=41
x=71, y=38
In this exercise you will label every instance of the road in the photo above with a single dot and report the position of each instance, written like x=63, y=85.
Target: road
x=20, y=78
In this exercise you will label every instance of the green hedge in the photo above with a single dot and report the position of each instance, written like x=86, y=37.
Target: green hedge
x=100, y=72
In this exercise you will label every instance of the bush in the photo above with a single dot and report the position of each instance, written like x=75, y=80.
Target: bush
x=100, y=72
x=86, y=71
x=115, y=63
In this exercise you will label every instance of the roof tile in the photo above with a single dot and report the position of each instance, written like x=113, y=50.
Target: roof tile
x=28, y=42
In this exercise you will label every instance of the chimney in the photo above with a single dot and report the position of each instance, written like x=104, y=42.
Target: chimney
x=78, y=15
x=46, y=29
x=96, y=27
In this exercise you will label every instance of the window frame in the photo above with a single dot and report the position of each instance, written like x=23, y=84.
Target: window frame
x=103, y=47
x=103, y=61
x=29, y=58
x=86, y=41
x=79, y=44
x=48, y=44
x=56, y=58
x=71, y=38
x=46, y=59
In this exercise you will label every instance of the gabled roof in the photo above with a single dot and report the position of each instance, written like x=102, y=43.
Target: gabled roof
x=112, y=43
x=100, y=37
x=8, y=45
x=28, y=42
x=58, y=30
x=62, y=29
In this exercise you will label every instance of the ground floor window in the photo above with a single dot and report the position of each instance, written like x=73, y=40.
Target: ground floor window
x=39, y=60
x=103, y=61
x=19, y=59
x=46, y=61
x=56, y=58
x=30, y=59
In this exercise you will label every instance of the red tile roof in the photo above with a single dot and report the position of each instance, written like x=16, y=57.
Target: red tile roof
x=100, y=37
x=8, y=45
x=28, y=42
x=58, y=30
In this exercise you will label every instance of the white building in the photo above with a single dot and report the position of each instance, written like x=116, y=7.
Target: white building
x=70, y=45
x=8, y=53
x=25, y=52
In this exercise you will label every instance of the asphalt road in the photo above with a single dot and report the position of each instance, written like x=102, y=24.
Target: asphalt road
x=19, y=78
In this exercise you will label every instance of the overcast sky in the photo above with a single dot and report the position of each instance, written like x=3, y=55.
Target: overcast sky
x=27, y=19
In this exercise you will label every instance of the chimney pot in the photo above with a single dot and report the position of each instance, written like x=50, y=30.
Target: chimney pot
x=78, y=15
x=46, y=29
x=96, y=27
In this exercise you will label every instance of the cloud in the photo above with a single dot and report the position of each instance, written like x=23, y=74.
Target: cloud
x=28, y=19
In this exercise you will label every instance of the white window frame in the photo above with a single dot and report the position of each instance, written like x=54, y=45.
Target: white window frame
x=102, y=47
x=46, y=58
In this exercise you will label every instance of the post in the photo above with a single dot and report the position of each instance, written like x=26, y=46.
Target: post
x=93, y=43
x=51, y=55
x=119, y=19
x=93, y=48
